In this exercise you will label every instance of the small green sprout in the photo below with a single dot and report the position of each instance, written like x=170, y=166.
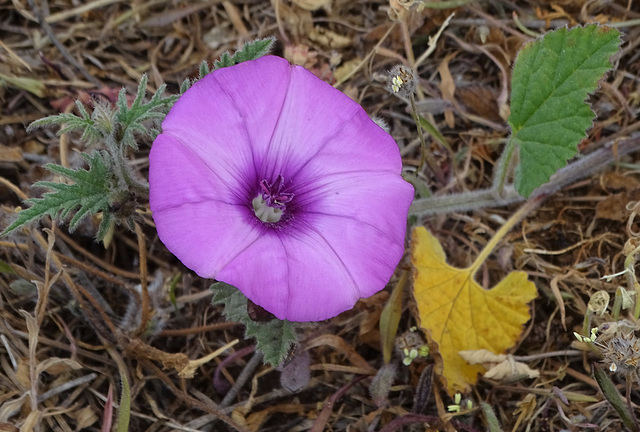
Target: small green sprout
x=456, y=406
x=423, y=351
x=587, y=339
x=411, y=354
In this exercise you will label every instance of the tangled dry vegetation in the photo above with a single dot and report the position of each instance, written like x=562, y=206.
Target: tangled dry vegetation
x=70, y=326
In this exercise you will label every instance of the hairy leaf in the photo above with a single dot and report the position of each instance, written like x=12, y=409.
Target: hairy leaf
x=130, y=118
x=88, y=195
x=274, y=338
x=93, y=127
x=551, y=79
x=610, y=393
x=124, y=411
x=250, y=51
x=490, y=415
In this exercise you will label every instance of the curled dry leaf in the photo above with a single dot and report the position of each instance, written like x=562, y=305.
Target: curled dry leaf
x=500, y=367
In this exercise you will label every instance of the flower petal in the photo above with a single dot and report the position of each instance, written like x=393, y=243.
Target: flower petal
x=198, y=218
x=295, y=276
x=321, y=131
x=341, y=248
x=227, y=116
x=256, y=121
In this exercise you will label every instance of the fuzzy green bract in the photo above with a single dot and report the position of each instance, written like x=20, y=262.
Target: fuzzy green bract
x=551, y=79
x=250, y=51
x=273, y=338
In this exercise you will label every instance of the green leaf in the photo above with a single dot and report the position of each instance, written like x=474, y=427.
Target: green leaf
x=551, y=79
x=274, y=338
x=611, y=394
x=6, y=268
x=435, y=133
x=250, y=51
x=92, y=126
x=124, y=411
x=130, y=118
x=172, y=290
x=492, y=420
x=204, y=69
x=89, y=194
x=390, y=318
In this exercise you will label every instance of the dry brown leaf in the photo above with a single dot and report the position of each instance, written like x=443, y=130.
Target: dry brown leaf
x=255, y=420
x=56, y=365
x=613, y=182
x=10, y=154
x=447, y=87
x=8, y=427
x=84, y=417
x=614, y=207
x=313, y=5
x=10, y=408
x=328, y=38
x=480, y=100
x=32, y=420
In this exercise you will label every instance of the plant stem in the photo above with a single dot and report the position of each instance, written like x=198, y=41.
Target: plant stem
x=503, y=168
x=416, y=119
x=242, y=379
x=504, y=229
x=468, y=201
x=632, y=282
x=144, y=291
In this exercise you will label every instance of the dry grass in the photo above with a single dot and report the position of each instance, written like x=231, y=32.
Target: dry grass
x=66, y=323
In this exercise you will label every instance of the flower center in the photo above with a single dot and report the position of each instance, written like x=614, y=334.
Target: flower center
x=271, y=201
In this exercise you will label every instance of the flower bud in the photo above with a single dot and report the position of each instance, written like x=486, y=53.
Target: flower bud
x=402, y=81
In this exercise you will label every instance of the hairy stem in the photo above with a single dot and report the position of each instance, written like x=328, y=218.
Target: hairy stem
x=504, y=164
x=416, y=118
x=474, y=200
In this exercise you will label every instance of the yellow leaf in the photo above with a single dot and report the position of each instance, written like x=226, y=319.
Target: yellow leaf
x=458, y=314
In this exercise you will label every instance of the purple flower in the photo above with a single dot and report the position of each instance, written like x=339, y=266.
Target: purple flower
x=267, y=178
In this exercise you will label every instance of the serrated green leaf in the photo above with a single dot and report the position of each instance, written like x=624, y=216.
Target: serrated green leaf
x=130, y=118
x=186, y=85
x=89, y=194
x=92, y=131
x=250, y=51
x=274, y=338
x=551, y=79
x=203, y=69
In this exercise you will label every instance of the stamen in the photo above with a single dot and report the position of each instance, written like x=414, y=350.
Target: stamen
x=272, y=200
